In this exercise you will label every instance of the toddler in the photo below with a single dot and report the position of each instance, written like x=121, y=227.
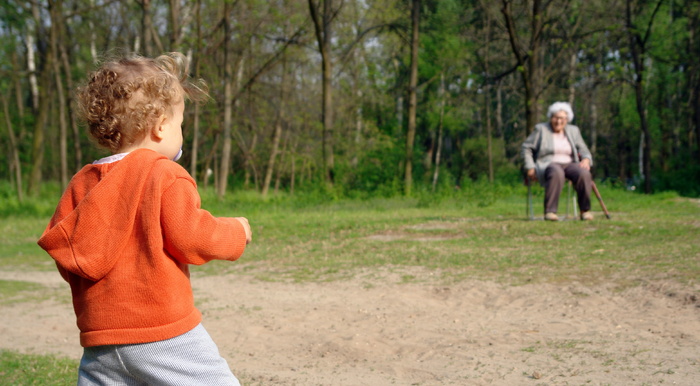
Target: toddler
x=127, y=227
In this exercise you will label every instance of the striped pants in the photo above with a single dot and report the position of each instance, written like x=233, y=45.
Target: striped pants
x=189, y=359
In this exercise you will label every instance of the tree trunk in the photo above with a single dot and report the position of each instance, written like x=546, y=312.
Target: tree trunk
x=174, y=25
x=55, y=12
x=197, y=67
x=93, y=37
x=40, y=96
x=277, y=135
x=529, y=64
x=646, y=146
x=280, y=168
x=228, y=102
x=14, y=150
x=19, y=99
x=489, y=134
x=487, y=97
x=31, y=67
x=572, y=78
x=534, y=68
x=696, y=115
x=438, y=150
x=638, y=52
x=35, y=176
x=499, y=111
x=146, y=27
x=322, y=27
x=292, y=178
x=694, y=80
x=77, y=150
x=357, y=92
x=412, y=97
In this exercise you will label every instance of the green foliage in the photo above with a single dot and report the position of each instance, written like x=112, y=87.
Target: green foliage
x=682, y=179
x=38, y=206
x=474, y=160
x=443, y=48
x=377, y=172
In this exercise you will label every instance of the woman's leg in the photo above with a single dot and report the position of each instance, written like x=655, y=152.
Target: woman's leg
x=581, y=179
x=553, y=183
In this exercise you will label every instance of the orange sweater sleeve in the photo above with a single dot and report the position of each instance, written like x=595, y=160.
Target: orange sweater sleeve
x=192, y=235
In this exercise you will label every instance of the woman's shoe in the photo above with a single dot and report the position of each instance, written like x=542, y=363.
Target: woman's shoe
x=551, y=216
x=586, y=216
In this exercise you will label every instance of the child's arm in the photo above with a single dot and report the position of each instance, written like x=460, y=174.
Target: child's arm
x=193, y=235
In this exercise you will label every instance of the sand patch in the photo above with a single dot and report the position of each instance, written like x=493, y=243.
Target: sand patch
x=373, y=329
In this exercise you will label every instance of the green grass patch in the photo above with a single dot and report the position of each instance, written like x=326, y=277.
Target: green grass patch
x=12, y=291
x=457, y=236
x=18, y=247
x=462, y=238
x=21, y=369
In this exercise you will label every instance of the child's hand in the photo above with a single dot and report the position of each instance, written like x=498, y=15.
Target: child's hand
x=246, y=226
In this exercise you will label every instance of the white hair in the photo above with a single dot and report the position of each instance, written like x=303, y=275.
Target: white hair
x=561, y=106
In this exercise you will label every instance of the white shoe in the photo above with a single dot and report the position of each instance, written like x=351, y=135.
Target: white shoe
x=586, y=216
x=551, y=216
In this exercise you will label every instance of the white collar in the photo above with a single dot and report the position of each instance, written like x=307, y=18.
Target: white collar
x=110, y=159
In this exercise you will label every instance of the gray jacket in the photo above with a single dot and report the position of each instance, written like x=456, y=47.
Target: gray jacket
x=538, y=148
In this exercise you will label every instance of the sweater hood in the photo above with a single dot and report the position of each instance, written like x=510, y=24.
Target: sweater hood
x=93, y=224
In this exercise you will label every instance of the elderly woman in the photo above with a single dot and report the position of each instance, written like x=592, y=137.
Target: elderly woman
x=554, y=152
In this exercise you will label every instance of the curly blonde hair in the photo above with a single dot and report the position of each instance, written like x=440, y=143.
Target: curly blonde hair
x=124, y=98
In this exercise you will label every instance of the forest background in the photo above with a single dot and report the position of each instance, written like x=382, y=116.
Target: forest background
x=362, y=98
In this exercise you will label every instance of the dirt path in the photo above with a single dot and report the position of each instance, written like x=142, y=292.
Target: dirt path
x=373, y=330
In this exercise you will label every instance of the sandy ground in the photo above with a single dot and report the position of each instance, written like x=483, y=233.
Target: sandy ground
x=374, y=330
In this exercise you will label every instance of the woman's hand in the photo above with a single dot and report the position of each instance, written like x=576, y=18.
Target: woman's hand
x=531, y=174
x=585, y=164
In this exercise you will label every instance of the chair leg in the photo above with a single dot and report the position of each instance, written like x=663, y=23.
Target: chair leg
x=571, y=201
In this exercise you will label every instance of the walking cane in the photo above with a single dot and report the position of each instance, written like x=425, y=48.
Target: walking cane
x=600, y=199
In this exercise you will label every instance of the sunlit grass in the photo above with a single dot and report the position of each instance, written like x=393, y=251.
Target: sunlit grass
x=648, y=235
x=20, y=369
x=458, y=236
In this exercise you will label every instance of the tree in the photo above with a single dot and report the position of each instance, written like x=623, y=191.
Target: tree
x=323, y=29
x=412, y=97
x=225, y=167
x=539, y=57
x=42, y=98
x=638, y=44
x=460, y=84
x=279, y=122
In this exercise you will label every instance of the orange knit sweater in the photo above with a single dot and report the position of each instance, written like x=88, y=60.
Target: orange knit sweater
x=123, y=235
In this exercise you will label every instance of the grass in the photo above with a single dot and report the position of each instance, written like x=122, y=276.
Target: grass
x=461, y=238
x=477, y=233
x=457, y=236
x=12, y=291
x=19, y=370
